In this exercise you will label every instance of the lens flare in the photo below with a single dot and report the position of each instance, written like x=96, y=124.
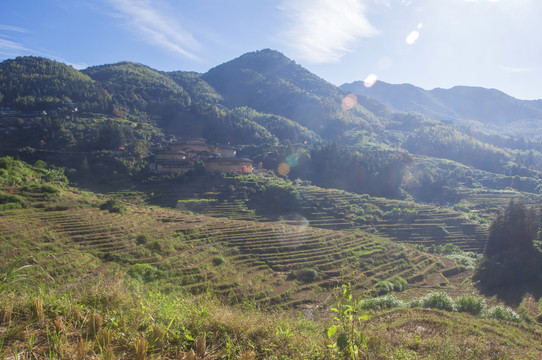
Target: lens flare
x=412, y=37
x=298, y=221
x=349, y=101
x=292, y=160
x=283, y=169
x=370, y=80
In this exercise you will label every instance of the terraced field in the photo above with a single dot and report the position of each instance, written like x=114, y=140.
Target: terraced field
x=237, y=260
x=334, y=210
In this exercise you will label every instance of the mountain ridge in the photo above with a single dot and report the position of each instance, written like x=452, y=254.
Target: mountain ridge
x=488, y=106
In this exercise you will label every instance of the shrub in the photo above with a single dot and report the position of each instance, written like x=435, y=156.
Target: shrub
x=502, y=313
x=48, y=189
x=142, y=239
x=8, y=198
x=382, y=302
x=399, y=284
x=384, y=287
x=114, y=206
x=471, y=304
x=438, y=300
x=6, y=162
x=218, y=260
x=306, y=275
x=144, y=272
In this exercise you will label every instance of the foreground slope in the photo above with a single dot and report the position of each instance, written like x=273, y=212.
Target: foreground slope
x=86, y=277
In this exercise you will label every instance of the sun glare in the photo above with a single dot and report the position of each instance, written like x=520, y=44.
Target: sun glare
x=370, y=80
x=412, y=37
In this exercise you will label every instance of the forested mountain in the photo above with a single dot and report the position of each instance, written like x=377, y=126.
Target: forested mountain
x=33, y=83
x=487, y=106
x=278, y=110
x=136, y=88
x=268, y=81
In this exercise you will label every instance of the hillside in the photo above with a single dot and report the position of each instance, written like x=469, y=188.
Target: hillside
x=106, y=279
x=38, y=84
x=269, y=82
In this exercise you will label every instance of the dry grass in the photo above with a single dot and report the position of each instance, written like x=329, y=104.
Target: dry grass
x=37, y=307
x=94, y=324
x=140, y=346
x=94, y=310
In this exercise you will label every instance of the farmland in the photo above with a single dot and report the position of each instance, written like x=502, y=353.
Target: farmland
x=91, y=276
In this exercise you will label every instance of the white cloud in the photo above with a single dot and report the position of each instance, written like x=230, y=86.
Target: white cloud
x=12, y=28
x=156, y=26
x=11, y=48
x=322, y=31
x=516, y=69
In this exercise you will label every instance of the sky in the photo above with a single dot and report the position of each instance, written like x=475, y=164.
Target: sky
x=427, y=43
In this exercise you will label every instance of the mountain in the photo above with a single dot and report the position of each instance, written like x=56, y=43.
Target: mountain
x=138, y=88
x=488, y=106
x=269, y=82
x=286, y=115
x=34, y=83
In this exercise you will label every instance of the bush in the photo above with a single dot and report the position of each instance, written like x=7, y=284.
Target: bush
x=399, y=284
x=145, y=272
x=384, y=287
x=48, y=189
x=502, y=313
x=382, y=302
x=114, y=206
x=218, y=260
x=8, y=198
x=142, y=239
x=470, y=304
x=438, y=300
x=6, y=162
x=306, y=275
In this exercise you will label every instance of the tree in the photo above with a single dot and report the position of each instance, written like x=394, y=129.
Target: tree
x=513, y=231
x=511, y=259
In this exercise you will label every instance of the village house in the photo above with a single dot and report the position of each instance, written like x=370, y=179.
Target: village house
x=181, y=157
x=173, y=166
x=190, y=145
x=170, y=155
x=226, y=151
x=241, y=165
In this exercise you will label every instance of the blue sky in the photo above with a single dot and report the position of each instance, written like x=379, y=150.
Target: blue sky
x=428, y=43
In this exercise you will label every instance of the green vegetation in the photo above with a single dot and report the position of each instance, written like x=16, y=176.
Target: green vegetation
x=83, y=282
x=317, y=232
x=511, y=258
x=114, y=206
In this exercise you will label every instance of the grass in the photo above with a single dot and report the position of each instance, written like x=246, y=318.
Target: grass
x=151, y=283
x=110, y=318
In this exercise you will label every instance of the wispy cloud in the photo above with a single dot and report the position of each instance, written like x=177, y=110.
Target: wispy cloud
x=12, y=28
x=11, y=48
x=156, y=26
x=516, y=69
x=323, y=31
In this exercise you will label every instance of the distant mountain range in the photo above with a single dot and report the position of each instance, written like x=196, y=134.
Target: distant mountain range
x=460, y=103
